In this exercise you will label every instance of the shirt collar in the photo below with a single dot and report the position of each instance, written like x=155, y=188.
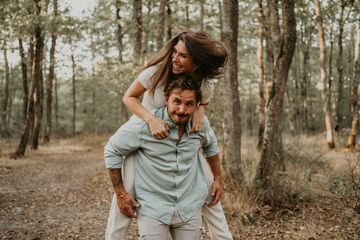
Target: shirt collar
x=172, y=124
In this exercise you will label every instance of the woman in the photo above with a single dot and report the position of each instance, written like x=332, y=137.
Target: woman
x=193, y=53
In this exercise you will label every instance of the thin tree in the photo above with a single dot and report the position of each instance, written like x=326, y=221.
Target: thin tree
x=5, y=102
x=24, y=77
x=324, y=93
x=260, y=50
x=137, y=15
x=202, y=15
x=38, y=77
x=50, y=78
x=340, y=61
x=232, y=139
x=168, y=21
x=269, y=164
x=73, y=84
x=119, y=34
x=306, y=38
x=119, y=31
x=161, y=25
x=355, y=93
x=20, y=151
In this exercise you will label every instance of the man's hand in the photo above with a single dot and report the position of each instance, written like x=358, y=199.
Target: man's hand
x=127, y=204
x=215, y=191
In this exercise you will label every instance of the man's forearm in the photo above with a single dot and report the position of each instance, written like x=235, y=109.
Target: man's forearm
x=116, y=180
x=214, y=162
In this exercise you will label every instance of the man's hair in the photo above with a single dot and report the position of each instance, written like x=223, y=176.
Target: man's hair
x=183, y=82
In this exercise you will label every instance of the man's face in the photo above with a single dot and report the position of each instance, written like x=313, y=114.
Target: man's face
x=181, y=105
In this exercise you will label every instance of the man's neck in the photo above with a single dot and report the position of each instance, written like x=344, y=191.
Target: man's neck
x=181, y=132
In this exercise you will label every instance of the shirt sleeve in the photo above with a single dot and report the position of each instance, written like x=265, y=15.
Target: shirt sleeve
x=207, y=90
x=209, y=143
x=126, y=139
x=145, y=76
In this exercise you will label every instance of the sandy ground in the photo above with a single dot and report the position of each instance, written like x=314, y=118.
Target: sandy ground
x=62, y=191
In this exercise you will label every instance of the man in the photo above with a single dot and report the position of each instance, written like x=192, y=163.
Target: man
x=169, y=185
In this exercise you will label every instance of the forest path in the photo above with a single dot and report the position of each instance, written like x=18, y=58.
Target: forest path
x=60, y=191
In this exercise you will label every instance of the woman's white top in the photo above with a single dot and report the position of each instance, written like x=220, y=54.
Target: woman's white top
x=158, y=100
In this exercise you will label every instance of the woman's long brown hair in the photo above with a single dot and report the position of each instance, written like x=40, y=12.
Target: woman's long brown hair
x=207, y=54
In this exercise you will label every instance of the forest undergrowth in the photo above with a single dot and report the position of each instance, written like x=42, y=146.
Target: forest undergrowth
x=62, y=191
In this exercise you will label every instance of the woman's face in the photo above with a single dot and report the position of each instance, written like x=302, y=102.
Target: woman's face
x=181, y=60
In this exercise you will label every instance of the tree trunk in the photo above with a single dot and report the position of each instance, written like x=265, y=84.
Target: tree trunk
x=260, y=50
x=123, y=110
x=161, y=25
x=24, y=78
x=270, y=162
x=38, y=77
x=329, y=78
x=56, y=103
x=202, y=15
x=5, y=103
x=137, y=15
x=73, y=94
x=324, y=94
x=119, y=32
x=232, y=139
x=50, y=82
x=187, y=24
x=20, y=151
x=306, y=40
x=169, y=22
x=355, y=93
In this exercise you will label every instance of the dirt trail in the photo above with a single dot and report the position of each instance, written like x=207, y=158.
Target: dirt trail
x=57, y=192
x=62, y=191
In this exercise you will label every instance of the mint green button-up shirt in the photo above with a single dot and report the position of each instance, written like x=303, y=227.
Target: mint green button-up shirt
x=168, y=176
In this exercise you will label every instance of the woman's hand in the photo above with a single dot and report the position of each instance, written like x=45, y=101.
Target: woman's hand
x=158, y=127
x=216, y=191
x=197, y=121
x=127, y=204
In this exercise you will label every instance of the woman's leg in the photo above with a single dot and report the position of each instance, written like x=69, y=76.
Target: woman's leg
x=214, y=216
x=118, y=224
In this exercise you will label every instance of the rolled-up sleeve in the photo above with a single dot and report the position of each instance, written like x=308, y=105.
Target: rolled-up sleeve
x=209, y=143
x=126, y=140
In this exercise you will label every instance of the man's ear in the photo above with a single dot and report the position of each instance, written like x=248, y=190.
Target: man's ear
x=166, y=99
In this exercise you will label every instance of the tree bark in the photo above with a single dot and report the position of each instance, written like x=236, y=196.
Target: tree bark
x=340, y=68
x=169, y=21
x=324, y=95
x=119, y=31
x=5, y=103
x=306, y=40
x=187, y=23
x=161, y=25
x=202, y=15
x=232, y=139
x=137, y=15
x=73, y=64
x=261, y=18
x=24, y=77
x=270, y=163
x=38, y=77
x=355, y=94
x=50, y=81
x=20, y=151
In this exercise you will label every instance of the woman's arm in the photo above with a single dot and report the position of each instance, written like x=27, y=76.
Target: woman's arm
x=197, y=122
x=157, y=126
